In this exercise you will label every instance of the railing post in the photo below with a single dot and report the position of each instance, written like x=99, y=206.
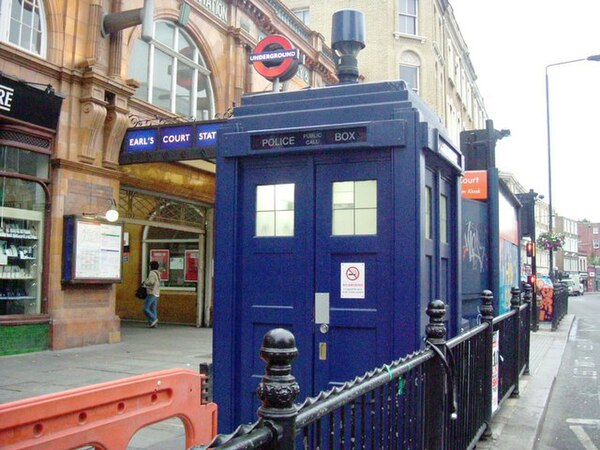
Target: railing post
x=487, y=316
x=515, y=304
x=527, y=299
x=435, y=404
x=278, y=388
x=556, y=299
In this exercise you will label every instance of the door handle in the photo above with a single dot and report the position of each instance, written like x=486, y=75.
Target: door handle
x=322, y=307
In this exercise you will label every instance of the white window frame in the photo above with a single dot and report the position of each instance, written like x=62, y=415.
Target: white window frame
x=274, y=209
x=196, y=62
x=303, y=14
x=415, y=88
x=6, y=23
x=403, y=14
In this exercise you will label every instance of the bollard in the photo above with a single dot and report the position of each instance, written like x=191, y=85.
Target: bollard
x=515, y=304
x=278, y=388
x=435, y=399
x=487, y=316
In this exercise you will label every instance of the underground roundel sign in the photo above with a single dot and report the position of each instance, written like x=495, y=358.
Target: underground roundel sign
x=275, y=58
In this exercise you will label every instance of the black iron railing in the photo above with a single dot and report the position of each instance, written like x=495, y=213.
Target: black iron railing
x=438, y=398
x=560, y=304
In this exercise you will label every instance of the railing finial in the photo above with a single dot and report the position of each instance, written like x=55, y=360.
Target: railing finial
x=487, y=305
x=278, y=388
x=435, y=329
x=515, y=300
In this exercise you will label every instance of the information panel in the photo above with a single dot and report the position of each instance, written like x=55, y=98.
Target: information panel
x=93, y=251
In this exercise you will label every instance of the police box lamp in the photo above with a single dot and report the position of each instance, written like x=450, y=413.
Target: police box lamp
x=347, y=39
x=111, y=23
x=111, y=214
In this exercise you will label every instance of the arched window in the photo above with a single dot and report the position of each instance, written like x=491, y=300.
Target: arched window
x=172, y=73
x=23, y=24
x=409, y=69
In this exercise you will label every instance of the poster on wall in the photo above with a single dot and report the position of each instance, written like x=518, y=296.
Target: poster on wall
x=161, y=256
x=509, y=252
x=495, y=368
x=92, y=251
x=191, y=265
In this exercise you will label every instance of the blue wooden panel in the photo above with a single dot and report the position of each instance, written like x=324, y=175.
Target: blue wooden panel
x=274, y=275
x=366, y=321
x=475, y=256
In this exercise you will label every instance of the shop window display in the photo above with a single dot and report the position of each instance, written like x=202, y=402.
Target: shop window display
x=22, y=206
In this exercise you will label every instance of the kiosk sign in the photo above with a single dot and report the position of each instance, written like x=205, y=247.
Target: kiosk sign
x=274, y=58
x=309, y=138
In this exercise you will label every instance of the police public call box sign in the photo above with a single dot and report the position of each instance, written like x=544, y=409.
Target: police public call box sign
x=309, y=138
x=197, y=140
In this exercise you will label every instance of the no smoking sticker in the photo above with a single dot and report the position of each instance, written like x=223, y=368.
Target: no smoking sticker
x=352, y=280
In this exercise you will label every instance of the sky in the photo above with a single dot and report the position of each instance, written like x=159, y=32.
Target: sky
x=510, y=43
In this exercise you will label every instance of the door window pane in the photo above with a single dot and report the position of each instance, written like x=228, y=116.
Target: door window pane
x=275, y=210
x=366, y=194
x=428, y=210
x=444, y=218
x=354, y=208
x=343, y=222
x=366, y=221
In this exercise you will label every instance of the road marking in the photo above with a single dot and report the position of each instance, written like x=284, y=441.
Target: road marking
x=594, y=422
x=583, y=437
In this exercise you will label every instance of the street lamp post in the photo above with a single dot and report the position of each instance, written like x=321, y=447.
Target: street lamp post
x=551, y=214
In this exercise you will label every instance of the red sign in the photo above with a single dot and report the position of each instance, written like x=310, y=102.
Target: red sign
x=275, y=58
x=162, y=258
x=474, y=185
x=191, y=265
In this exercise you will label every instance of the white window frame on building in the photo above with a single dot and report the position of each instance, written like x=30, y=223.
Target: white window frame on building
x=173, y=51
x=23, y=24
x=303, y=14
x=408, y=17
x=410, y=65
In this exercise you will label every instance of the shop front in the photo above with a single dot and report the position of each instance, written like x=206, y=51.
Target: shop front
x=28, y=123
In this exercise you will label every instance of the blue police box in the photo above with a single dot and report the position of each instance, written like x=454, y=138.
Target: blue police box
x=337, y=219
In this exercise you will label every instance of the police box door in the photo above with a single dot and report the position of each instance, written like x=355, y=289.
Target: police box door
x=353, y=266
x=316, y=258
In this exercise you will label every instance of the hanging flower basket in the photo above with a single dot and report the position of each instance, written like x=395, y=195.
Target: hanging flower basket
x=551, y=241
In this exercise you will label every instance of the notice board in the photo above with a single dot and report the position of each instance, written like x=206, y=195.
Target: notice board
x=92, y=251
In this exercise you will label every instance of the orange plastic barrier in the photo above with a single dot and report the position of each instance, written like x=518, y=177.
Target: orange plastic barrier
x=107, y=415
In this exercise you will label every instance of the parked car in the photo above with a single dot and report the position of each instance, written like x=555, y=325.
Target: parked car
x=574, y=288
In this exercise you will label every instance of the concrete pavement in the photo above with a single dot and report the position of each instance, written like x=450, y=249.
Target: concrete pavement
x=143, y=350
x=140, y=351
x=517, y=424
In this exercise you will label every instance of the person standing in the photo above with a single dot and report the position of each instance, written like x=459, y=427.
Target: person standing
x=152, y=284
